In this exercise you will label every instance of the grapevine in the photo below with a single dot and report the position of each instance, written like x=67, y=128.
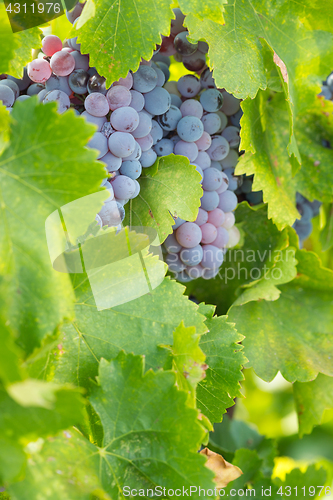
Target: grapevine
x=166, y=270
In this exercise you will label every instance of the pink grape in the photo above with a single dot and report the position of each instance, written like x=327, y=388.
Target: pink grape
x=188, y=149
x=203, y=160
x=126, y=82
x=222, y=238
x=136, y=155
x=145, y=142
x=216, y=217
x=191, y=107
x=209, y=233
x=144, y=126
x=229, y=220
x=204, y=142
x=39, y=70
x=219, y=148
x=51, y=44
x=124, y=119
x=123, y=187
x=121, y=144
x=62, y=63
x=189, y=235
x=202, y=217
x=96, y=104
x=118, y=97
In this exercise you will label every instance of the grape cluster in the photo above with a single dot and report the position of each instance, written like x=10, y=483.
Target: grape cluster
x=144, y=116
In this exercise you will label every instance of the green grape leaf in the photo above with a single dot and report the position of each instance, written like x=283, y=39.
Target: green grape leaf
x=141, y=326
x=112, y=46
x=170, y=186
x=293, y=334
x=16, y=47
x=266, y=156
x=44, y=166
x=188, y=360
x=151, y=436
x=210, y=9
x=65, y=467
x=262, y=244
x=312, y=399
x=225, y=359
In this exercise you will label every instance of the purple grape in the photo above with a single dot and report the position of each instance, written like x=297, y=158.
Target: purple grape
x=124, y=119
x=228, y=201
x=212, y=257
x=122, y=144
x=188, y=235
x=210, y=200
x=190, y=128
x=98, y=141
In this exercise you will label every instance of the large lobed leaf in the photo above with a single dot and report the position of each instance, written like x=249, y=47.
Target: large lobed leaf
x=293, y=334
x=151, y=438
x=122, y=32
x=154, y=439
x=44, y=166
